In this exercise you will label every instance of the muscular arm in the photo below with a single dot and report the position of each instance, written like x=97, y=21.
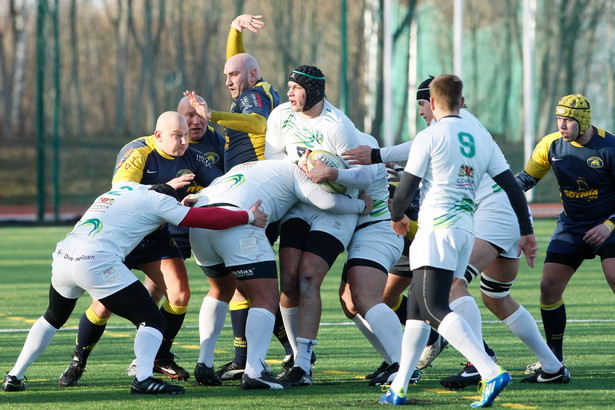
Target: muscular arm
x=252, y=123
x=525, y=180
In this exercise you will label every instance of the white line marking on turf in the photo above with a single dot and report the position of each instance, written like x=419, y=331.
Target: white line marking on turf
x=322, y=324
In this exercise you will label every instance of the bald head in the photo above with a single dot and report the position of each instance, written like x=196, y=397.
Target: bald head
x=196, y=123
x=172, y=133
x=170, y=119
x=242, y=72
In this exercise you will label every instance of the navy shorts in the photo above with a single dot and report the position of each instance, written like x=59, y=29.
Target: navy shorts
x=568, y=247
x=156, y=246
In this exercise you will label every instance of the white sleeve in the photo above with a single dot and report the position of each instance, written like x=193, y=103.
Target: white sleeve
x=497, y=163
x=359, y=177
x=308, y=191
x=418, y=158
x=169, y=209
x=396, y=153
x=275, y=148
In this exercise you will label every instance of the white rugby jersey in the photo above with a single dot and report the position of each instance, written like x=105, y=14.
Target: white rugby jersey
x=451, y=156
x=279, y=184
x=119, y=219
x=378, y=189
x=289, y=133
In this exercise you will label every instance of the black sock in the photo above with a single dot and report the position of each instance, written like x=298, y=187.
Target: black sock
x=175, y=319
x=554, y=322
x=91, y=329
x=239, y=318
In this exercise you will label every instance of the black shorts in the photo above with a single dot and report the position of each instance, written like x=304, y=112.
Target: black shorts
x=156, y=246
x=296, y=233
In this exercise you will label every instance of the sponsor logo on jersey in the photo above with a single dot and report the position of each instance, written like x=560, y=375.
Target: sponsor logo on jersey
x=96, y=223
x=595, y=162
x=124, y=158
x=102, y=203
x=583, y=192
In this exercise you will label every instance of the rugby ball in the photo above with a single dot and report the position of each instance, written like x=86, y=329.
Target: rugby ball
x=331, y=160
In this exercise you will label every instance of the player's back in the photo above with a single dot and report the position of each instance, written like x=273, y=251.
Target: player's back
x=270, y=181
x=119, y=219
x=460, y=152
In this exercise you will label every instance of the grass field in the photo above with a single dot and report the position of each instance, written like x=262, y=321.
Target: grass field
x=344, y=356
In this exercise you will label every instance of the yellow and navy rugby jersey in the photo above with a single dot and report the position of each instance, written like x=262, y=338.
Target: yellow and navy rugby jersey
x=141, y=161
x=212, y=146
x=243, y=145
x=585, y=173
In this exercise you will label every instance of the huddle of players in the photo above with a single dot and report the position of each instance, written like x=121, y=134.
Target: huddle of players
x=311, y=239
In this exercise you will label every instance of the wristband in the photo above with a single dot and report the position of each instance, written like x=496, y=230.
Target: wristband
x=375, y=156
x=250, y=217
x=609, y=224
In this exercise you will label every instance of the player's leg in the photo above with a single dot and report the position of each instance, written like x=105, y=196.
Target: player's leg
x=145, y=314
x=352, y=313
x=239, y=307
x=462, y=303
x=293, y=237
x=555, y=278
x=496, y=283
x=91, y=328
x=39, y=337
x=174, y=282
x=262, y=289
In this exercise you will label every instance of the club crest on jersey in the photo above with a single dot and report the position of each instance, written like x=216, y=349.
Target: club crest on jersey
x=466, y=171
x=465, y=177
x=595, y=162
x=182, y=172
x=212, y=157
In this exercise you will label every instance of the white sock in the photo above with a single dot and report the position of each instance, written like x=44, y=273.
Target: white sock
x=290, y=317
x=211, y=322
x=523, y=325
x=364, y=328
x=458, y=333
x=147, y=343
x=414, y=340
x=386, y=327
x=38, y=339
x=467, y=308
x=259, y=329
x=303, y=358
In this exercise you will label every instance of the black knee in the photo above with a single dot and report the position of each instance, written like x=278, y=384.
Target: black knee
x=59, y=308
x=141, y=310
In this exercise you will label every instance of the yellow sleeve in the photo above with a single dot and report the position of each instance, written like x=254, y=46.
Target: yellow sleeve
x=234, y=43
x=251, y=123
x=132, y=168
x=539, y=164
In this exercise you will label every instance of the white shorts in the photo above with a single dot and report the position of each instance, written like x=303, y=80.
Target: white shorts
x=241, y=245
x=75, y=271
x=496, y=222
x=378, y=243
x=447, y=249
x=340, y=226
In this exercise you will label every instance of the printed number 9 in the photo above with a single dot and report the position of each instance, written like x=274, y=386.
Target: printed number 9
x=468, y=149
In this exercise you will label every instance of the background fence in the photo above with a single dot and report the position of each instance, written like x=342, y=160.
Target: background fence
x=79, y=79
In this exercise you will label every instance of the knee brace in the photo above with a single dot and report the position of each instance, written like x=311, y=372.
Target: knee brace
x=494, y=288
